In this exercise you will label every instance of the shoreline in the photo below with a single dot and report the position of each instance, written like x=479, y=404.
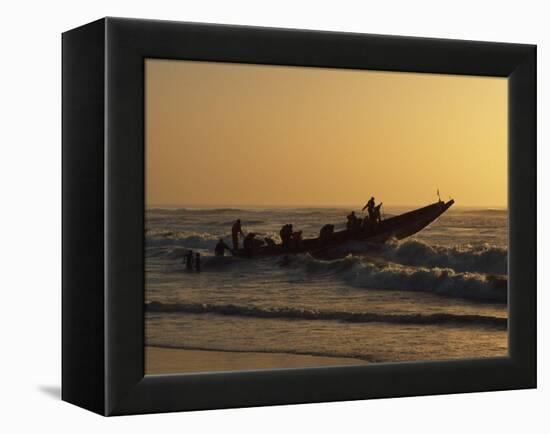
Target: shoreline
x=162, y=360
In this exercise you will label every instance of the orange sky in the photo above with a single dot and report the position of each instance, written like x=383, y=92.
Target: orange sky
x=235, y=134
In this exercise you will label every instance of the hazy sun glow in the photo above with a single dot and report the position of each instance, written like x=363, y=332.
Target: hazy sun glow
x=236, y=134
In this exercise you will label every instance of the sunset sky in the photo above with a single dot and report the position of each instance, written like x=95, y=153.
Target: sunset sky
x=235, y=134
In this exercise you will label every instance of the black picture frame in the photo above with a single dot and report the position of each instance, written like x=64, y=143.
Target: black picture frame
x=103, y=215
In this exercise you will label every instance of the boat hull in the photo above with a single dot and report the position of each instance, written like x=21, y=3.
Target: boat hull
x=398, y=227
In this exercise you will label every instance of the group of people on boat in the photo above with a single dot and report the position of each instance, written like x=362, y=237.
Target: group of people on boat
x=357, y=224
x=250, y=242
x=291, y=240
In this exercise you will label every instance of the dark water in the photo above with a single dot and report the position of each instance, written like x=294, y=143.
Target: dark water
x=439, y=295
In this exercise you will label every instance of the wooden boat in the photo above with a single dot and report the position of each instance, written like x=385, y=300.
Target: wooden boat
x=398, y=227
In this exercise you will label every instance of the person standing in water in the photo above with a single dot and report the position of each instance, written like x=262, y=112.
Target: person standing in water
x=285, y=234
x=189, y=260
x=198, y=262
x=235, y=231
x=221, y=247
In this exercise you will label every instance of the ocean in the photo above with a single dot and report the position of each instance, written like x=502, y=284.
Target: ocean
x=438, y=295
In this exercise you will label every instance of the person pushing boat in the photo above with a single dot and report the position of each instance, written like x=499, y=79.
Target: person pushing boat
x=189, y=260
x=236, y=229
x=286, y=233
x=198, y=262
x=221, y=247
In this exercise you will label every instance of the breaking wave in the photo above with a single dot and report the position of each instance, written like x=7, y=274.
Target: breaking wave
x=306, y=314
x=362, y=273
x=181, y=239
x=483, y=259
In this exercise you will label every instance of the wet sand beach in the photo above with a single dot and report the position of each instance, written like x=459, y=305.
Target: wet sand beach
x=174, y=360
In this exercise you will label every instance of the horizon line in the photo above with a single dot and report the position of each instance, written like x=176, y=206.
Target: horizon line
x=236, y=206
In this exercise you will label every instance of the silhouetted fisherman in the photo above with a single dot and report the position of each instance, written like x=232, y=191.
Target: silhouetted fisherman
x=220, y=248
x=369, y=207
x=198, y=262
x=189, y=260
x=325, y=234
x=377, y=216
x=366, y=223
x=296, y=240
x=352, y=223
x=251, y=244
x=235, y=231
x=286, y=233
